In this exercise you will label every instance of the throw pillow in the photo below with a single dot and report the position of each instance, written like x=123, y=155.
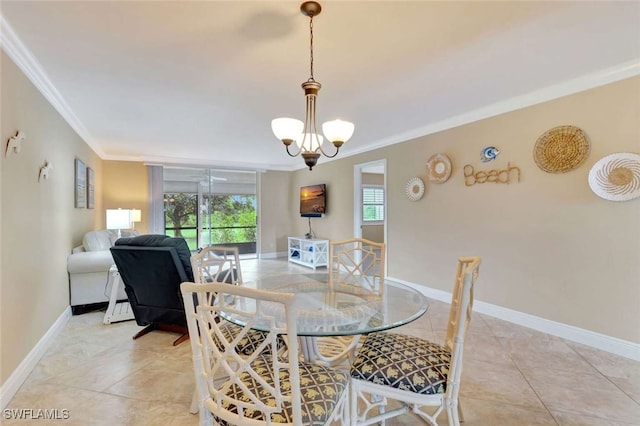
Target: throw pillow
x=96, y=240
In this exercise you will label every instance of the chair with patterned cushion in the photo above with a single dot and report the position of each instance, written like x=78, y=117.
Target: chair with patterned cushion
x=222, y=264
x=413, y=371
x=359, y=262
x=262, y=388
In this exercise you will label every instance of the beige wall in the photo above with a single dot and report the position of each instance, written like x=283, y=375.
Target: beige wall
x=126, y=186
x=373, y=233
x=337, y=223
x=39, y=224
x=550, y=247
x=274, y=214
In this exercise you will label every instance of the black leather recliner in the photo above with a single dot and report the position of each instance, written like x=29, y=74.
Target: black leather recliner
x=152, y=267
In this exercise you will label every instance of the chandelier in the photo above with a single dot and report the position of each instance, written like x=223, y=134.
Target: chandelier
x=305, y=135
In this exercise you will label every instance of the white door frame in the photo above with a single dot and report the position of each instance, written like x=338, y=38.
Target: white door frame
x=357, y=196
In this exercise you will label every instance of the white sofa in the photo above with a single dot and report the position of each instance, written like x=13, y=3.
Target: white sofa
x=88, y=266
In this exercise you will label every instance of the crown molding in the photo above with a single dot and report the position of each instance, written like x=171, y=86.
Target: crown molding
x=589, y=81
x=24, y=59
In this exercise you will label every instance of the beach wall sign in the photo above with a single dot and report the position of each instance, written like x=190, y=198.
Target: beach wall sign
x=509, y=175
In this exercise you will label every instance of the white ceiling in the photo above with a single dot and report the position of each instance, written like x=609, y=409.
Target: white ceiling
x=199, y=82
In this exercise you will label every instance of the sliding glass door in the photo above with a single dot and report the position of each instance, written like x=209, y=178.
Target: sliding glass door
x=211, y=207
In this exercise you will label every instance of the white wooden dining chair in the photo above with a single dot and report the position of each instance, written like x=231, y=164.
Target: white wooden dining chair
x=414, y=371
x=221, y=264
x=358, y=262
x=263, y=388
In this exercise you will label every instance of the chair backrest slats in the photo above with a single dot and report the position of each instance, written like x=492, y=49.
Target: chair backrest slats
x=235, y=388
x=217, y=264
x=460, y=317
x=462, y=299
x=358, y=261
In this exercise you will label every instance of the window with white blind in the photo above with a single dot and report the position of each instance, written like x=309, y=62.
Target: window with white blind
x=372, y=204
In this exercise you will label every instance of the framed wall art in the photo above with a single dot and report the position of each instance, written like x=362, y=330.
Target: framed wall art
x=81, y=184
x=90, y=188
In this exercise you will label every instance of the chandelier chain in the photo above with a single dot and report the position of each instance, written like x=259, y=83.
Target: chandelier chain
x=311, y=47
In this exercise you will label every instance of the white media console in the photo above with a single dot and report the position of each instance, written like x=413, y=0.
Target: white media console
x=309, y=252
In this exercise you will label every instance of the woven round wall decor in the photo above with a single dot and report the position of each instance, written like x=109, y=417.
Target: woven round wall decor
x=616, y=177
x=414, y=189
x=439, y=168
x=561, y=149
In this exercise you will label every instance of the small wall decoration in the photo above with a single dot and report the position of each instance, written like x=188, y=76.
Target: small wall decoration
x=489, y=154
x=414, y=189
x=616, y=177
x=561, y=149
x=90, y=188
x=439, y=167
x=44, y=171
x=15, y=143
x=81, y=184
x=471, y=177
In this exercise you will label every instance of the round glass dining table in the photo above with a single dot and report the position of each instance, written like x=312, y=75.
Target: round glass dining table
x=339, y=308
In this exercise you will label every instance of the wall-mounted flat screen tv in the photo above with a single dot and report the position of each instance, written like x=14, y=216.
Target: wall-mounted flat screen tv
x=313, y=200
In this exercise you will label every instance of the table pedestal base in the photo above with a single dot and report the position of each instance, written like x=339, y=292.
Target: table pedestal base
x=328, y=351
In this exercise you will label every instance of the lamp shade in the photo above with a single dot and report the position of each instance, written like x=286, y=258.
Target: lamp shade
x=338, y=130
x=287, y=128
x=118, y=219
x=136, y=215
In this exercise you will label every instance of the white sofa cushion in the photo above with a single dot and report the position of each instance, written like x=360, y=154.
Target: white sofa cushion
x=89, y=262
x=97, y=240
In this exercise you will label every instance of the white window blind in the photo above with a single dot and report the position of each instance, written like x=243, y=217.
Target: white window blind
x=372, y=204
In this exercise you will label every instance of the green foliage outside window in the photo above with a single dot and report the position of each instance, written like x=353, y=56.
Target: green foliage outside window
x=233, y=218
x=180, y=211
x=372, y=203
x=231, y=211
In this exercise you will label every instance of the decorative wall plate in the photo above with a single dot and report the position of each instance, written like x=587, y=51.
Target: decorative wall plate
x=561, y=149
x=415, y=188
x=616, y=177
x=439, y=167
x=489, y=153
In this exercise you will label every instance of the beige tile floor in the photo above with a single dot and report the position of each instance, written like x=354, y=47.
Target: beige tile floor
x=512, y=375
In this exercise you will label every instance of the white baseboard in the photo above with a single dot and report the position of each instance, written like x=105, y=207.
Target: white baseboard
x=603, y=342
x=273, y=255
x=20, y=374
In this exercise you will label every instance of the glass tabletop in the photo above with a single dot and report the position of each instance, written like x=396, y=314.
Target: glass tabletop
x=338, y=309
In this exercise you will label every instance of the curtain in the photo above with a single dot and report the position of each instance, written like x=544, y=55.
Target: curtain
x=156, y=200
